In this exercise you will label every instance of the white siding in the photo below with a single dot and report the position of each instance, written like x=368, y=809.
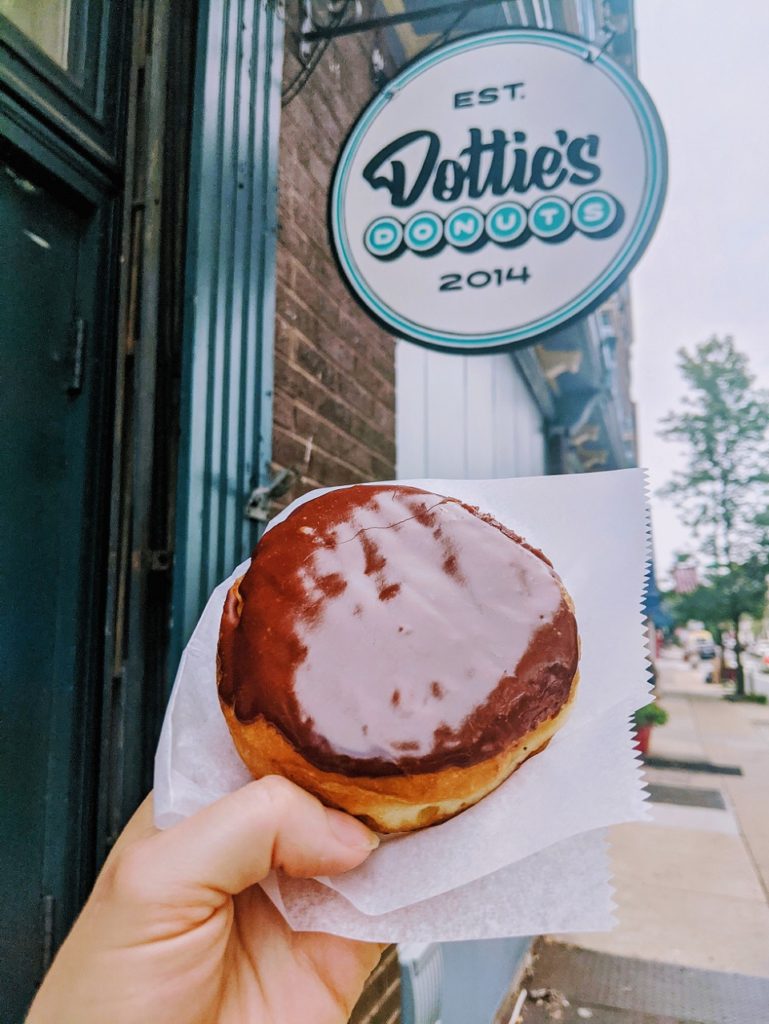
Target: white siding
x=464, y=416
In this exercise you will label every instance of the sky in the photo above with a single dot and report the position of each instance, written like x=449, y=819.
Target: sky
x=706, y=270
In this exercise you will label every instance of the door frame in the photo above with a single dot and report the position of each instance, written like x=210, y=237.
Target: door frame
x=43, y=157
x=145, y=435
x=230, y=288
x=66, y=133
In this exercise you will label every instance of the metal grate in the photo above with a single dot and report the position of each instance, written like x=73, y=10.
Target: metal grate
x=379, y=1002
x=594, y=1014
x=686, y=796
x=621, y=990
x=693, y=766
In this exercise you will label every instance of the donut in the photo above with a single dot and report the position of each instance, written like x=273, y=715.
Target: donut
x=398, y=653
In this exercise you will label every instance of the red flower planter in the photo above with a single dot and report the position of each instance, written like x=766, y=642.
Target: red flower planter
x=642, y=737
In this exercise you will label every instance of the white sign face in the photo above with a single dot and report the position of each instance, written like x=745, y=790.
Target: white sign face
x=496, y=189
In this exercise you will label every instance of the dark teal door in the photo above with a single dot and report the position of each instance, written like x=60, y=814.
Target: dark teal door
x=60, y=180
x=47, y=372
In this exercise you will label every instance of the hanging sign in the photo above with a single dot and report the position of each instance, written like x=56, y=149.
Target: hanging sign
x=496, y=189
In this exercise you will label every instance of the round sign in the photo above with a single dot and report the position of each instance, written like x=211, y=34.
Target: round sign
x=496, y=189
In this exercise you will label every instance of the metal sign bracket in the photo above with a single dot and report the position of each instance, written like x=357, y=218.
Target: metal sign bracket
x=318, y=33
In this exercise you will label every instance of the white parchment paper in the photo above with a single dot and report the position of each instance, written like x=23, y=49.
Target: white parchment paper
x=564, y=888
x=542, y=821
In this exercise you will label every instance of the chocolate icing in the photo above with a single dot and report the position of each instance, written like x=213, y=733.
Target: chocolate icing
x=386, y=630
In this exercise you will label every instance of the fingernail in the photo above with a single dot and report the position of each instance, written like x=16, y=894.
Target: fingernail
x=350, y=831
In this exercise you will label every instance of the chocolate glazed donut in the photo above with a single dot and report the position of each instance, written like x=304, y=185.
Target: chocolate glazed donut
x=395, y=652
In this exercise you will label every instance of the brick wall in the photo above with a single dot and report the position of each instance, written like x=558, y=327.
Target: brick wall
x=334, y=398
x=334, y=391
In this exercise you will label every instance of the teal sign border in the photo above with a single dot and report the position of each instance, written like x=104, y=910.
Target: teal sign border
x=609, y=280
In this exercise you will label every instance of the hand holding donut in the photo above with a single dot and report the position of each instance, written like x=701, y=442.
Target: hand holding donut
x=176, y=928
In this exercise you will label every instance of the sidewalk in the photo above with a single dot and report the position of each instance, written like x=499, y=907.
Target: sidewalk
x=692, y=884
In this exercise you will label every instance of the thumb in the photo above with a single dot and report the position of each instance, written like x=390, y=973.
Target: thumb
x=235, y=842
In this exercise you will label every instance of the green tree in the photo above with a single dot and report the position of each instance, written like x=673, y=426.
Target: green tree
x=722, y=490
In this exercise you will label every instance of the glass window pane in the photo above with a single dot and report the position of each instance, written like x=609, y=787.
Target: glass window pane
x=45, y=22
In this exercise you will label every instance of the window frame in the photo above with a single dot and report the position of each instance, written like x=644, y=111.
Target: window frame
x=80, y=102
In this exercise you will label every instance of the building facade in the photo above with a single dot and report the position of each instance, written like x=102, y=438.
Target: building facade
x=185, y=359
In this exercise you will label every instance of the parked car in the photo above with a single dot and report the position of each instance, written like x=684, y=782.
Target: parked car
x=699, y=644
x=704, y=646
